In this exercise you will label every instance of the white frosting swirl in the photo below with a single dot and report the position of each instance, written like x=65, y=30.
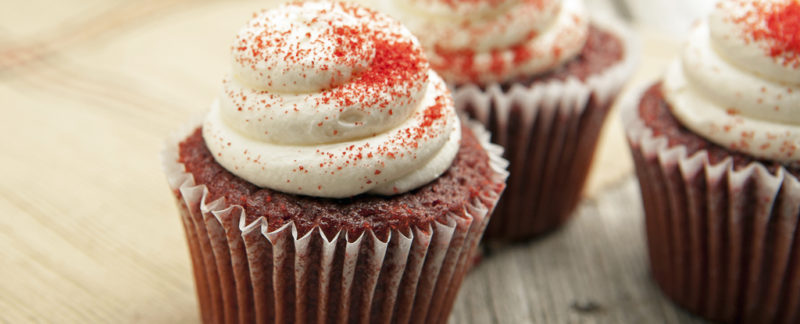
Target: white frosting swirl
x=732, y=89
x=488, y=41
x=332, y=100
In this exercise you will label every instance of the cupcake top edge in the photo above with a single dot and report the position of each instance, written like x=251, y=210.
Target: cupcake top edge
x=737, y=82
x=486, y=41
x=331, y=99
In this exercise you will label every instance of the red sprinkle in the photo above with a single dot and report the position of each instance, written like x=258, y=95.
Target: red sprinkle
x=455, y=3
x=396, y=72
x=498, y=65
x=463, y=60
x=777, y=24
x=434, y=112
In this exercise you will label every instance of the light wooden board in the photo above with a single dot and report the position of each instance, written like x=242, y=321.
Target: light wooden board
x=594, y=270
x=89, y=233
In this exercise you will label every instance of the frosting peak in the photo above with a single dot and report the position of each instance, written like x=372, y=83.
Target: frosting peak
x=762, y=37
x=297, y=50
x=737, y=83
x=331, y=100
x=487, y=41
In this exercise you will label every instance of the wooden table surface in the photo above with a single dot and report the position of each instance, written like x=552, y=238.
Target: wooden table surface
x=89, y=233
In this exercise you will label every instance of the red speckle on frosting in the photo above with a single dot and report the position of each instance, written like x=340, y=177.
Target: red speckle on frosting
x=557, y=51
x=464, y=59
x=400, y=145
x=461, y=59
x=376, y=69
x=456, y=3
x=498, y=65
x=497, y=41
x=491, y=3
x=397, y=61
x=778, y=25
x=788, y=148
x=396, y=68
x=434, y=112
x=521, y=52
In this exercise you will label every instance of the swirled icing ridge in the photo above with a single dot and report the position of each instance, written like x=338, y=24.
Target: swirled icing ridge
x=736, y=82
x=488, y=41
x=331, y=100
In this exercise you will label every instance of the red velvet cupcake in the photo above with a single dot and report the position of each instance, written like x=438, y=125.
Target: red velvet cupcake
x=333, y=180
x=541, y=76
x=714, y=146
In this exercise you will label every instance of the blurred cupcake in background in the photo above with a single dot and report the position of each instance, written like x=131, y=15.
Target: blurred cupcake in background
x=715, y=145
x=541, y=75
x=333, y=181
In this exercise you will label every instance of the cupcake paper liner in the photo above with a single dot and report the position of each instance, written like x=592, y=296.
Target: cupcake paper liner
x=723, y=243
x=550, y=132
x=245, y=273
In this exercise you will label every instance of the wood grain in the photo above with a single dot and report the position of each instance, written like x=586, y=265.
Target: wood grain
x=89, y=232
x=594, y=270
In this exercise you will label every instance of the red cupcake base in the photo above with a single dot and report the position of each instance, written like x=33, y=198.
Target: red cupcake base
x=550, y=150
x=549, y=126
x=723, y=239
x=251, y=273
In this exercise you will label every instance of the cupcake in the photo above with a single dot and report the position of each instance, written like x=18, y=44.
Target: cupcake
x=715, y=148
x=332, y=181
x=541, y=76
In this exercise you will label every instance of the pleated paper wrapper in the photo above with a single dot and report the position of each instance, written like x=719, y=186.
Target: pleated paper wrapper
x=723, y=242
x=245, y=273
x=549, y=132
